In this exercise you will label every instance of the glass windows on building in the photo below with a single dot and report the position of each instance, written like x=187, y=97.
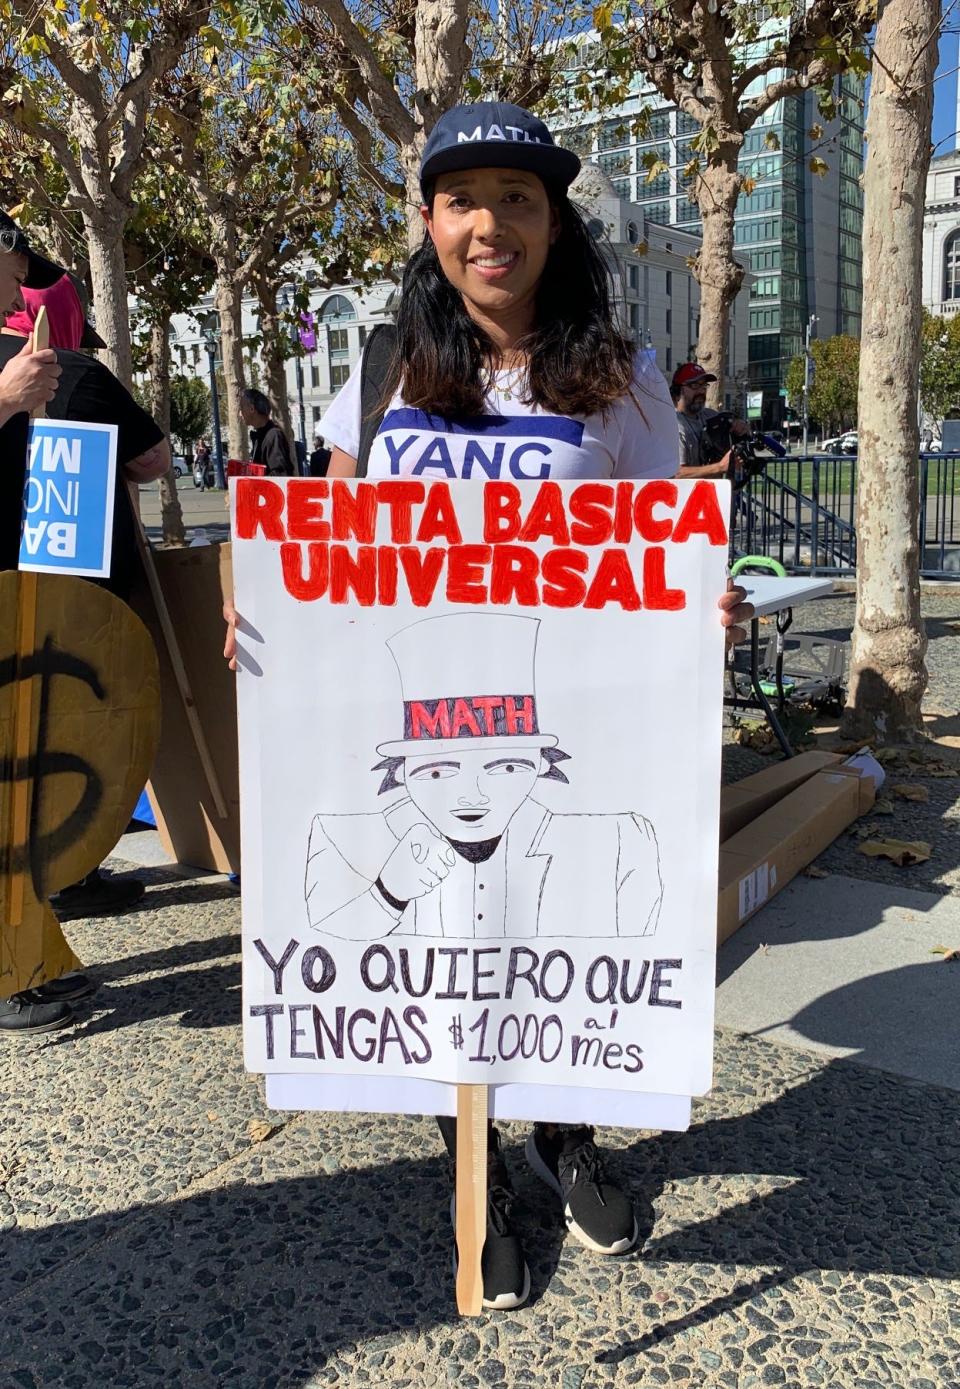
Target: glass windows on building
x=654, y=125
x=657, y=212
x=761, y=200
x=951, y=266
x=621, y=186
x=686, y=125
x=337, y=306
x=614, y=134
x=619, y=163
x=766, y=259
x=339, y=371
x=765, y=287
x=660, y=185
x=763, y=229
x=633, y=277
x=764, y=318
x=337, y=340
x=687, y=211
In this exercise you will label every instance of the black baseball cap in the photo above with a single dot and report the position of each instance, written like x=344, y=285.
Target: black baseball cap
x=41, y=273
x=495, y=135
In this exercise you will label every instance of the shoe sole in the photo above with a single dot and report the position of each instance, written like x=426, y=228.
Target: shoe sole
x=540, y=1168
x=40, y=1027
x=506, y=1301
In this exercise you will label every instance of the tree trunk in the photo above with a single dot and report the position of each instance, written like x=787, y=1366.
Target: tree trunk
x=274, y=353
x=104, y=234
x=441, y=58
x=718, y=274
x=228, y=298
x=170, y=511
x=888, y=675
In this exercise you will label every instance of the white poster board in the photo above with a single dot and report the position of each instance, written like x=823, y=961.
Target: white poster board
x=68, y=499
x=480, y=748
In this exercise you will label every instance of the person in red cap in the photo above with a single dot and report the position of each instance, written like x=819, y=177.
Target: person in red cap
x=688, y=390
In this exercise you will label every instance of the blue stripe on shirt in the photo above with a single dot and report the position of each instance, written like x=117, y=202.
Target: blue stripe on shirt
x=559, y=427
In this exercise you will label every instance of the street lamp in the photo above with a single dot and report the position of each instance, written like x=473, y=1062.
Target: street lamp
x=298, y=360
x=807, y=373
x=211, y=337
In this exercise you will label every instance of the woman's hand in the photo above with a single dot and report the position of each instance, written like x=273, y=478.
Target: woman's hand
x=230, y=645
x=734, y=613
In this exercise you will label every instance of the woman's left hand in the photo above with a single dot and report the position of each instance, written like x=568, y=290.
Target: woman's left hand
x=735, y=613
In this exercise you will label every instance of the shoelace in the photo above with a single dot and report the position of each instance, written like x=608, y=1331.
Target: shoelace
x=583, y=1164
x=499, y=1201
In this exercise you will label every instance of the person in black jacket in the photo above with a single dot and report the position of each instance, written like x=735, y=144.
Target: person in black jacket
x=268, y=441
x=73, y=386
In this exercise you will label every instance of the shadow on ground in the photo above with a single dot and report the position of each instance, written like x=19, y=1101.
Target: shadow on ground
x=266, y=1282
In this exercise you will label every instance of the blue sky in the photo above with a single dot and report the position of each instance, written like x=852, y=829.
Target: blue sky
x=945, y=97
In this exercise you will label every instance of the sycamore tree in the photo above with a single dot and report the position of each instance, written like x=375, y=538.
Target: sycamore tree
x=78, y=77
x=390, y=68
x=726, y=64
x=833, y=393
x=888, y=676
x=241, y=119
x=169, y=268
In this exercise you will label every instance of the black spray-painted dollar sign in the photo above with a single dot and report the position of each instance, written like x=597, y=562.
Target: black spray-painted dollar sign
x=85, y=750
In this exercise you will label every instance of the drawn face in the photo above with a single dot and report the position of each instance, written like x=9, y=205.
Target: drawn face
x=472, y=795
x=493, y=229
x=13, y=272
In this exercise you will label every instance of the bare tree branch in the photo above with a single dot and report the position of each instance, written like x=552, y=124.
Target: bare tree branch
x=385, y=104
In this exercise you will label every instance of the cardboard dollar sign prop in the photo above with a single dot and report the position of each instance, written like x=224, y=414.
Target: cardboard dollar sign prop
x=79, y=720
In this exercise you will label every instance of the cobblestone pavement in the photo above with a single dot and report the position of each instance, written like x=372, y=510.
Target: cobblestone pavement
x=803, y=1232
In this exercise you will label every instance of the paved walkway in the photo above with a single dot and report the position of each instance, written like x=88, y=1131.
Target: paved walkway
x=160, y=1226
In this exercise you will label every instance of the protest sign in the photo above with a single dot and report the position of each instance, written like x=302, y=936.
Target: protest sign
x=68, y=499
x=480, y=747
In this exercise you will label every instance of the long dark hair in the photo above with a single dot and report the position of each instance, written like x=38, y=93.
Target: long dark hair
x=579, y=363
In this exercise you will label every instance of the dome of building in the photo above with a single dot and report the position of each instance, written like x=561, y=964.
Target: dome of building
x=591, y=188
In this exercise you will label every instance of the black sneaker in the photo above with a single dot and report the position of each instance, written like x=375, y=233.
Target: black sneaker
x=597, y=1212
x=506, y=1278
x=97, y=895
x=67, y=988
x=27, y=1012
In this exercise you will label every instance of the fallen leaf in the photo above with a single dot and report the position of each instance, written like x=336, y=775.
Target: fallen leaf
x=883, y=805
x=903, y=852
x=886, y=755
x=212, y=1117
x=814, y=872
x=258, y=1130
x=911, y=792
x=950, y=955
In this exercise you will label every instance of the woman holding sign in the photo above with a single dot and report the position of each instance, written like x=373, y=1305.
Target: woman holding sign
x=507, y=362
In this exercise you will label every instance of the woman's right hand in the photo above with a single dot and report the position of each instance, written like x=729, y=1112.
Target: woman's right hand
x=230, y=645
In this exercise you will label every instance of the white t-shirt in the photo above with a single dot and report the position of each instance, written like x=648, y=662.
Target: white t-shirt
x=514, y=441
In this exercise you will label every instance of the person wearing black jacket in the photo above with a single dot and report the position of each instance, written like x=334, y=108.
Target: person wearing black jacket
x=268, y=440
x=72, y=386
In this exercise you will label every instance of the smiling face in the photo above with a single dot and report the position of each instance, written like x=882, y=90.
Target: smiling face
x=493, y=229
x=13, y=272
x=472, y=795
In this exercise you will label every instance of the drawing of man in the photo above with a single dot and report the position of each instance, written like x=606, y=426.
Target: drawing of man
x=467, y=851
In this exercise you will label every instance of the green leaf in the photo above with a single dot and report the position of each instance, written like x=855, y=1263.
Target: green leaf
x=818, y=166
x=772, y=140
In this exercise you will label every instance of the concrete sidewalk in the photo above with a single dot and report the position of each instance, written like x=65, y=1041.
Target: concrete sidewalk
x=846, y=968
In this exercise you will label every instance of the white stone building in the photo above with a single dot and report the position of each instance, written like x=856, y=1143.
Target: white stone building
x=941, y=236
x=656, y=294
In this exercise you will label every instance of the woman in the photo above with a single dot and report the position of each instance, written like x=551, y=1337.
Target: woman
x=509, y=363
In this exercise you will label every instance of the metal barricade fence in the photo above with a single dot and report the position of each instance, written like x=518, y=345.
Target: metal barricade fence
x=802, y=512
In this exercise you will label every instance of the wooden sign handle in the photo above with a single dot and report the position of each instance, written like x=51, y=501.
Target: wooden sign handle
x=471, y=1232
x=23, y=718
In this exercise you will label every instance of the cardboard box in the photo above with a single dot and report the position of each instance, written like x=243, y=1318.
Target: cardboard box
x=191, y=830
x=766, y=854
x=744, y=800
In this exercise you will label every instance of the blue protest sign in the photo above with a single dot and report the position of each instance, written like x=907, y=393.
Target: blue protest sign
x=68, y=499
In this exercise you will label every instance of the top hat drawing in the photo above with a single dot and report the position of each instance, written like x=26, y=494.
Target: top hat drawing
x=467, y=681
